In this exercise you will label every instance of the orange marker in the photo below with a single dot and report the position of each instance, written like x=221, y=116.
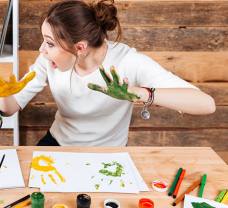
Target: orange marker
x=179, y=183
x=189, y=189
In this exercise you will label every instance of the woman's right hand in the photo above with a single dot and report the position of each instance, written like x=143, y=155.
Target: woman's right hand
x=8, y=104
x=12, y=87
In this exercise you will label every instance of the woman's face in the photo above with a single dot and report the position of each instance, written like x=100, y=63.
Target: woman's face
x=58, y=57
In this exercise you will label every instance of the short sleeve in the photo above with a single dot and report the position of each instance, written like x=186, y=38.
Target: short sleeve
x=152, y=74
x=34, y=86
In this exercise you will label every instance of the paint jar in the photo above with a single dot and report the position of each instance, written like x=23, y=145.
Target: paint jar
x=83, y=201
x=111, y=203
x=37, y=200
x=145, y=203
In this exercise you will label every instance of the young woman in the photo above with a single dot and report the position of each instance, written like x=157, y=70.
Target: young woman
x=75, y=45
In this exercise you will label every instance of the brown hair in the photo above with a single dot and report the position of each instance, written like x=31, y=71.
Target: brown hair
x=74, y=20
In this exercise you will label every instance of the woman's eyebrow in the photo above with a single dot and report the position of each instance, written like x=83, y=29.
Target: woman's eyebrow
x=47, y=36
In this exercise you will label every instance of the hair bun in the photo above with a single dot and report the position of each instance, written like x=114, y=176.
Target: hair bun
x=106, y=14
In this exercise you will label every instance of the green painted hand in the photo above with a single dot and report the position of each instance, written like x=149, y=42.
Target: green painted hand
x=114, y=88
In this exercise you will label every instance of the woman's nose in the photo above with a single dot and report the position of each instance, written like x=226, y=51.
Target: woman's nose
x=42, y=48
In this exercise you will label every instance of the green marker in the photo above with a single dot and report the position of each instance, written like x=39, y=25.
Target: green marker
x=220, y=195
x=37, y=200
x=172, y=188
x=202, y=185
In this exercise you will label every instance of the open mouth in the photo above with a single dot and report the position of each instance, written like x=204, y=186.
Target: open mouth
x=53, y=64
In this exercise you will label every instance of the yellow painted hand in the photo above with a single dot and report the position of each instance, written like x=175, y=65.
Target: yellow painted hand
x=11, y=87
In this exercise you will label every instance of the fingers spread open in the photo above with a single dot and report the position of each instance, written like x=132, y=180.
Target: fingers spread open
x=105, y=76
x=96, y=87
x=114, y=75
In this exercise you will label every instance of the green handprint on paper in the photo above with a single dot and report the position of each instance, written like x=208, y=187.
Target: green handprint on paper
x=114, y=88
x=201, y=205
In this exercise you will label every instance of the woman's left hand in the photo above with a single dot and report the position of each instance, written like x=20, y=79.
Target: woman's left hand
x=114, y=88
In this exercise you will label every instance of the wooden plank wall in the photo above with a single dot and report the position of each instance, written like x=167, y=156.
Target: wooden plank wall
x=187, y=37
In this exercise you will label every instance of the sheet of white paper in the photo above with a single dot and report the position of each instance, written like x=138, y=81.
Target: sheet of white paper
x=81, y=173
x=10, y=172
x=188, y=200
x=140, y=182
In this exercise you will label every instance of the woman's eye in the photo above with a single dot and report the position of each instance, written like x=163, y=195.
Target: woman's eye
x=50, y=44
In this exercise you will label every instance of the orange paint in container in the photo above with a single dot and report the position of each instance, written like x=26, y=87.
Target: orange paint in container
x=146, y=203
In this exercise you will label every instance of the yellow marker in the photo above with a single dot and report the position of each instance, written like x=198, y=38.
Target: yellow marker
x=60, y=206
x=225, y=198
x=11, y=87
x=23, y=204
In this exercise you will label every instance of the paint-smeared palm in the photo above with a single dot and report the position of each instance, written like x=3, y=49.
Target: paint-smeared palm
x=11, y=87
x=114, y=88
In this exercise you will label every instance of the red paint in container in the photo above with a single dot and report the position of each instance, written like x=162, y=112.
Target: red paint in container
x=146, y=203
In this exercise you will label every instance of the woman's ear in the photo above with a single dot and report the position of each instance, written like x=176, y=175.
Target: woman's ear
x=81, y=48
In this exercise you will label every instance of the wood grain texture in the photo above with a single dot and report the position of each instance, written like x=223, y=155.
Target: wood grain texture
x=31, y=137
x=163, y=163
x=42, y=115
x=178, y=137
x=152, y=38
x=6, y=70
x=6, y=137
x=150, y=13
x=196, y=138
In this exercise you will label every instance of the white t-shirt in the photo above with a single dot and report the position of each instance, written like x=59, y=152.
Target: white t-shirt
x=90, y=118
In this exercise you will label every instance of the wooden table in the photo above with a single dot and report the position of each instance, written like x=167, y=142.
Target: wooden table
x=152, y=162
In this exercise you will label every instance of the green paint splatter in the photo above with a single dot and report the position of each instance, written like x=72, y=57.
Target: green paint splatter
x=118, y=169
x=122, y=184
x=97, y=186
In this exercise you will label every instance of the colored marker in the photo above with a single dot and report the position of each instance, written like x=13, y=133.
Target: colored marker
x=23, y=204
x=202, y=185
x=172, y=188
x=189, y=189
x=220, y=196
x=3, y=157
x=17, y=202
x=179, y=183
x=225, y=198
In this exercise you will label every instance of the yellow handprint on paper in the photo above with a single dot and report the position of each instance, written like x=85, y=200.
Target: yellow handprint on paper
x=11, y=87
x=46, y=168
